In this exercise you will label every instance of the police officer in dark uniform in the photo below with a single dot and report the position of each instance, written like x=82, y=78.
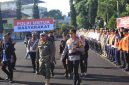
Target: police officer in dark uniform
x=65, y=59
x=7, y=57
x=74, y=51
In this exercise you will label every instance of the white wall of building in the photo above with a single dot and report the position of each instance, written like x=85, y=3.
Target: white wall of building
x=26, y=9
x=8, y=5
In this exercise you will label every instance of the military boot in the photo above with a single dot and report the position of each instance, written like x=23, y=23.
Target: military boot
x=47, y=82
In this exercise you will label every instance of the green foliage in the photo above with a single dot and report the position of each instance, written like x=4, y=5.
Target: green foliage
x=56, y=14
x=106, y=8
x=89, y=10
x=127, y=8
x=73, y=14
x=83, y=22
x=93, y=5
x=63, y=28
x=112, y=22
x=123, y=14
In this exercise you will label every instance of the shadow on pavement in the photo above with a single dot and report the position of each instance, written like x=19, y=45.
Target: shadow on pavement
x=24, y=66
x=22, y=71
x=107, y=78
x=27, y=83
x=62, y=77
x=36, y=83
x=59, y=84
x=103, y=67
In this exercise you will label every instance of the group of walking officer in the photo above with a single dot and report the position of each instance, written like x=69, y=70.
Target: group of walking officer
x=74, y=51
x=42, y=54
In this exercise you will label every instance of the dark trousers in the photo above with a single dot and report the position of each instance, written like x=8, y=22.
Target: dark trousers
x=65, y=64
x=9, y=72
x=108, y=51
x=84, y=63
x=126, y=57
x=37, y=67
x=52, y=68
x=122, y=58
x=74, y=66
x=33, y=60
x=27, y=55
x=117, y=56
x=14, y=59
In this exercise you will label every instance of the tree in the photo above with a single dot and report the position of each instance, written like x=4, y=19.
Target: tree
x=73, y=14
x=83, y=21
x=93, y=6
x=18, y=10
x=1, y=23
x=106, y=9
x=112, y=22
x=35, y=9
x=82, y=10
x=56, y=14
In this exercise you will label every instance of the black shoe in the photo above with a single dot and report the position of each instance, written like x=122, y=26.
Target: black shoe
x=70, y=75
x=14, y=68
x=66, y=75
x=34, y=72
x=7, y=79
x=37, y=72
x=122, y=67
x=53, y=74
x=79, y=81
x=11, y=81
x=1, y=78
x=127, y=69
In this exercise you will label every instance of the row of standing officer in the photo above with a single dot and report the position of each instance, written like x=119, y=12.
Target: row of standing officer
x=117, y=47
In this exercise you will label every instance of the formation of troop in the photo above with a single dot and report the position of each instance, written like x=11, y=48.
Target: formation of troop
x=41, y=51
x=73, y=52
x=113, y=44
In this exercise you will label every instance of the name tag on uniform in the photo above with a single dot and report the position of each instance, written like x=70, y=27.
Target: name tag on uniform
x=44, y=46
x=31, y=48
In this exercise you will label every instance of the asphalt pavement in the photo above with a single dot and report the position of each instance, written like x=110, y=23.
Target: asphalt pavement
x=100, y=71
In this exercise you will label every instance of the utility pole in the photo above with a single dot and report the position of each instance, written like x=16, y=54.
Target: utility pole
x=18, y=10
x=1, y=22
x=118, y=11
x=35, y=9
x=107, y=11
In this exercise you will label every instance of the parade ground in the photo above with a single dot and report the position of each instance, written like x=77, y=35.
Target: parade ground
x=100, y=71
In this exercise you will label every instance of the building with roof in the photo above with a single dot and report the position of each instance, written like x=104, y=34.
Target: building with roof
x=27, y=7
x=8, y=17
x=9, y=13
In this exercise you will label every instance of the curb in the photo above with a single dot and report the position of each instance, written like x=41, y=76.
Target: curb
x=104, y=57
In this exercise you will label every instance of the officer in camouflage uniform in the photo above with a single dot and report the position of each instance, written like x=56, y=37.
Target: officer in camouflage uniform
x=44, y=57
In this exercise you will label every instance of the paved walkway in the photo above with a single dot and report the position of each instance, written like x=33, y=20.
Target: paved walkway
x=100, y=71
